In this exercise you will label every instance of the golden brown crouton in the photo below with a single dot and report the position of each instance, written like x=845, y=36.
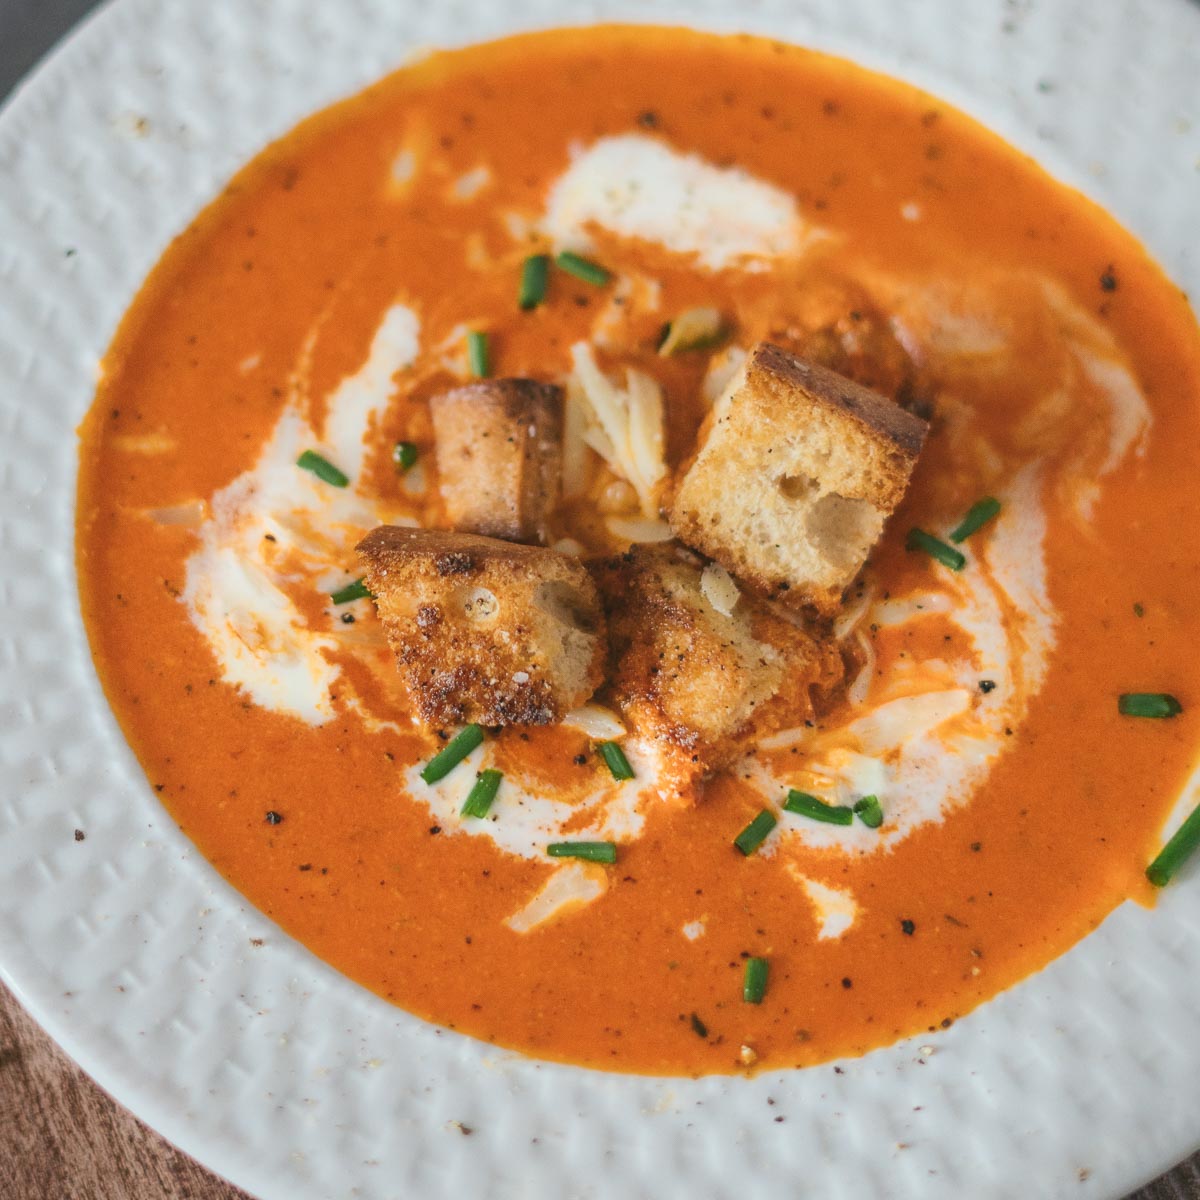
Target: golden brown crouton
x=485, y=630
x=834, y=323
x=795, y=472
x=499, y=456
x=705, y=680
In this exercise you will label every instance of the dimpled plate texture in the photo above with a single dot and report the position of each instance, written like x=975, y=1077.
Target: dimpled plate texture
x=260, y=1060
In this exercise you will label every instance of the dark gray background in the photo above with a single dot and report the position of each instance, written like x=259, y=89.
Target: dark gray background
x=28, y=28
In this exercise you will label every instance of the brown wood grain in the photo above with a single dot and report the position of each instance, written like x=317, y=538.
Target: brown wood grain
x=62, y=1137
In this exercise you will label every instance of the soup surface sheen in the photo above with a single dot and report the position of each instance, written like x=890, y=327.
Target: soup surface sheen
x=325, y=296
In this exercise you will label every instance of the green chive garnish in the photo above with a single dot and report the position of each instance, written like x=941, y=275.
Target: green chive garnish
x=479, y=798
x=452, y=753
x=756, y=832
x=817, y=809
x=978, y=515
x=535, y=272
x=618, y=764
x=404, y=455
x=918, y=539
x=601, y=852
x=357, y=590
x=754, y=981
x=1176, y=852
x=322, y=468
x=477, y=354
x=1148, y=704
x=870, y=811
x=583, y=268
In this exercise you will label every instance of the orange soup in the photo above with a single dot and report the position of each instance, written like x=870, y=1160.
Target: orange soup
x=324, y=298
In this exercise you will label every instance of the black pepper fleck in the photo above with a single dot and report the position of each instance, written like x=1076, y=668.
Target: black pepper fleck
x=274, y=818
x=987, y=685
x=1108, y=279
x=908, y=927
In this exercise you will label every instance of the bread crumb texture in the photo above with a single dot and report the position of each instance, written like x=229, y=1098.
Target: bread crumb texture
x=796, y=470
x=702, y=680
x=499, y=456
x=485, y=630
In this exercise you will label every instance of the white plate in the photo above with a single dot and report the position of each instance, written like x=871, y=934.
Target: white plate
x=261, y=1061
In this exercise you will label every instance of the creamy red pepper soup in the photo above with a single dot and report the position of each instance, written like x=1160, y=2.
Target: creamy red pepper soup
x=328, y=293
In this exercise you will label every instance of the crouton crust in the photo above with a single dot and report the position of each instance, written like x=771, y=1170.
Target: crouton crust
x=835, y=323
x=499, y=456
x=485, y=630
x=874, y=414
x=794, y=473
x=703, y=682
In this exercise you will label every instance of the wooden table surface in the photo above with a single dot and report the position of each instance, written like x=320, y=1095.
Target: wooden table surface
x=62, y=1138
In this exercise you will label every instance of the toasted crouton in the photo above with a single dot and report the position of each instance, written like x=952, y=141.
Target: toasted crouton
x=795, y=472
x=499, y=456
x=705, y=680
x=835, y=323
x=485, y=630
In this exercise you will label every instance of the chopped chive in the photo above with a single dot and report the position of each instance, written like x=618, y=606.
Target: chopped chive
x=583, y=268
x=477, y=354
x=480, y=797
x=357, y=590
x=756, y=832
x=870, y=811
x=618, y=764
x=698, y=1027
x=754, y=980
x=452, y=753
x=322, y=468
x=601, y=852
x=1148, y=704
x=978, y=515
x=405, y=455
x=1176, y=852
x=918, y=539
x=817, y=809
x=535, y=272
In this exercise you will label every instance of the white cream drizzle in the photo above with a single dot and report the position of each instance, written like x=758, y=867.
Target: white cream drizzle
x=362, y=396
x=923, y=740
x=236, y=579
x=834, y=908
x=525, y=816
x=568, y=888
x=640, y=187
